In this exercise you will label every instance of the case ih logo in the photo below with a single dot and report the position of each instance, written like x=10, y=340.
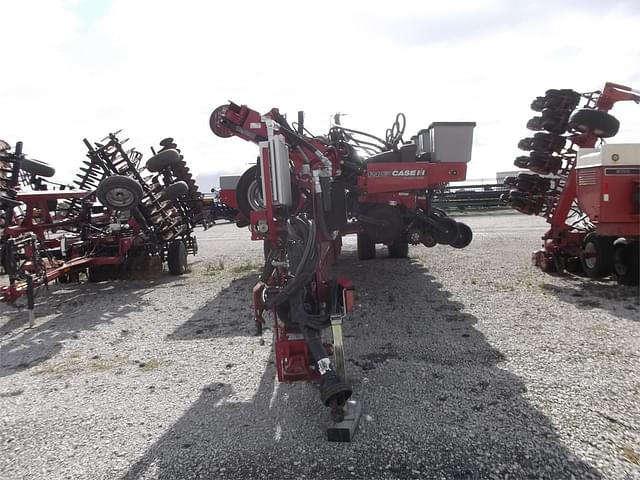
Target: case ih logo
x=420, y=172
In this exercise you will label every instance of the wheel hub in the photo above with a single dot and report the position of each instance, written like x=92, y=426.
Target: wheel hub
x=120, y=197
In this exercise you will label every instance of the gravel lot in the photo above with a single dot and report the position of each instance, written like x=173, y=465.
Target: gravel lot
x=469, y=363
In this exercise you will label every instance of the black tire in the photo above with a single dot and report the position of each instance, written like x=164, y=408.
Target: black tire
x=447, y=231
x=538, y=104
x=522, y=161
x=118, y=192
x=547, y=142
x=626, y=264
x=543, y=163
x=559, y=263
x=175, y=191
x=573, y=265
x=398, y=249
x=563, y=99
x=601, y=124
x=535, y=124
x=249, y=192
x=465, y=235
x=164, y=159
x=167, y=142
x=366, y=247
x=555, y=121
x=36, y=167
x=597, y=255
x=177, y=258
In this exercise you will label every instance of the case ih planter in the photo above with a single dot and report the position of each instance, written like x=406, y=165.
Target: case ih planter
x=304, y=193
x=588, y=190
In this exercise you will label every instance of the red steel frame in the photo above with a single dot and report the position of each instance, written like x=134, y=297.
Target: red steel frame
x=38, y=220
x=399, y=183
x=560, y=237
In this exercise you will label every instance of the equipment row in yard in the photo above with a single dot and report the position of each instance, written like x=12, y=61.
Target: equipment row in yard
x=119, y=218
x=588, y=190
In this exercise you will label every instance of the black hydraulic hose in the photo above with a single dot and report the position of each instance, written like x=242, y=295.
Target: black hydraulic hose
x=319, y=212
x=314, y=341
x=309, y=244
x=294, y=285
x=383, y=142
x=304, y=318
x=299, y=140
x=301, y=275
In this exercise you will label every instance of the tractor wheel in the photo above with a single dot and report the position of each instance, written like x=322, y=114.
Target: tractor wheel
x=626, y=263
x=446, y=231
x=597, y=255
x=398, y=249
x=36, y=167
x=164, y=159
x=118, y=192
x=601, y=124
x=465, y=235
x=366, y=247
x=249, y=192
x=175, y=191
x=177, y=257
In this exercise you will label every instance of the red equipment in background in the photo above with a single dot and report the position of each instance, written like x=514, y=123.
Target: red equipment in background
x=116, y=224
x=305, y=193
x=588, y=195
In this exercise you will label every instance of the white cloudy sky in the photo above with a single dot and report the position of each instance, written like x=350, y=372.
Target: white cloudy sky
x=82, y=68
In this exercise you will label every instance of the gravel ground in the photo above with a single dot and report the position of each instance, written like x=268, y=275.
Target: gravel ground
x=469, y=364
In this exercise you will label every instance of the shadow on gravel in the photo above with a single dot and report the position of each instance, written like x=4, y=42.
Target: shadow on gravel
x=586, y=294
x=73, y=308
x=228, y=314
x=435, y=402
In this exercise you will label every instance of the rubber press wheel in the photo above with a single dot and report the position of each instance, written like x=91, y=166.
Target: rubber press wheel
x=446, y=232
x=366, y=247
x=175, y=191
x=36, y=167
x=164, y=159
x=177, y=258
x=465, y=235
x=597, y=255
